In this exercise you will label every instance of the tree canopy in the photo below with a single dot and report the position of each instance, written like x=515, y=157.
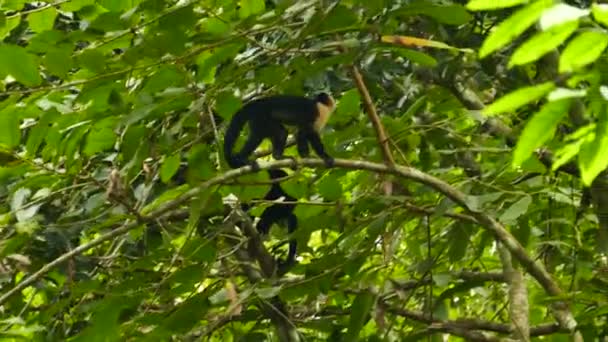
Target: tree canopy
x=468, y=200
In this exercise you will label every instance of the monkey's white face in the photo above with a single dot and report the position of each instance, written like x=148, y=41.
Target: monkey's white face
x=324, y=111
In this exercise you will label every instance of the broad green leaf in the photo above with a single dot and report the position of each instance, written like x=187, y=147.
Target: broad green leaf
x=188, y=313
x=560, y=14
x=17, y=62
x=200, y=166
x=169, y=167
x=566, y=153
x=38, y=132
x=600, y=13
x=484, y=5
x=10, y=134
x=8, y=26
x=101, y=137
x=460, y=238
x=359, y=314
x=104, y=322
x=215, y=27
x=109, y=21
x=181, y=19
x=75, y=5
x=131, y=141
x=330, y=187
x=166, y=76
x=593, y=155
x=15, y=5
x=584, y=49
x=512, y=27
x=517, y=209
x=116, y=5
x=42, y=20
x=58, y=61
x=539, y=129
x=348, y=107
x=93, y=60
x=251, y=7
x=541, y=43
x=518, y=98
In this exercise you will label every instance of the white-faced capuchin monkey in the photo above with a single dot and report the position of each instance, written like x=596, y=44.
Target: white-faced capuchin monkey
x=267, y=118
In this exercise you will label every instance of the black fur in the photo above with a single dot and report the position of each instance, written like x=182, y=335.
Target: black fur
x=267, y=117
x=277, y=213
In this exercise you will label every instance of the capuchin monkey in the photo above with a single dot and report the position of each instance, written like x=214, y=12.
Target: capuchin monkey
x=279, y=213
x=267, y=118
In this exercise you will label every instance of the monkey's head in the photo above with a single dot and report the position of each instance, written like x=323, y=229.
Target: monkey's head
x=326, y=100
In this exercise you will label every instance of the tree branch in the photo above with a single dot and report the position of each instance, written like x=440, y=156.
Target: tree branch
x=562, y=313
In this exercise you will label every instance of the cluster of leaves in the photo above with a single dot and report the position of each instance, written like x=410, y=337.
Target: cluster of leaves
x=111, y=109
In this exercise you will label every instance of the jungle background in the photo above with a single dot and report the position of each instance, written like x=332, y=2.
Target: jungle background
x=469, y=200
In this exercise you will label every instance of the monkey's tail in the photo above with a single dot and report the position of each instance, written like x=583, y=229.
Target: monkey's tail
x=232, y=134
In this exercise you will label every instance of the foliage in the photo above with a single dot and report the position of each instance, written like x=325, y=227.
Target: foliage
x=111, y=109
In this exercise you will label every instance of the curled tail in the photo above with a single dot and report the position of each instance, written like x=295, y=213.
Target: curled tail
x=232, y=134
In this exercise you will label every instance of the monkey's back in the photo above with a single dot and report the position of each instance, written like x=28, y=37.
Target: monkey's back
x=288, y=109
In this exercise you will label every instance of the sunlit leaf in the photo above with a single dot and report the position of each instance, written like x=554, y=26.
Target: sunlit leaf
x=484, y=5
x=539, y=129
x=541, y=43
x=584, y=49
x=560, y=14
x=512, y=27
x=518, y=98
x=42, y=20
x=17, y=62
x=592, y=157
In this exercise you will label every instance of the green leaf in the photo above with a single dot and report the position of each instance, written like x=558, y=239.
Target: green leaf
x=200, y=166
x=9, y=25
x=584, y=49
x=560, y=14
x=42, y=20
x=14, y=5
x=169, y=167
x=93, y=60
x=484, y=5
x=75, y=5
x=10, y=134
x=518, y=98
x=38, y=132
x=215, y=27
x=541, y=43
x=330, y=187
x=449, y=14
x=58, y=61
x=460, y=238
x=359, y=314
x=592, y=158
x=116, y=5
x=251, y=7
x=166, y=76
x=17, y=62
x=539, y=129
x=600, y=13
x=512, y=27
x=101, y=137
x=517, y=209
x=188, y=313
